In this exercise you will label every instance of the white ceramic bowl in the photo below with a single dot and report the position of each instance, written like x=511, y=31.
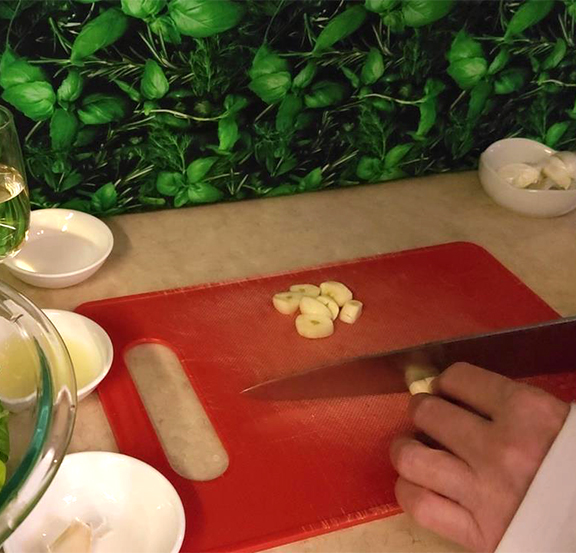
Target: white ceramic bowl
x=129, y=504
x=535, y=203
x=89, y=347
x=64, y=247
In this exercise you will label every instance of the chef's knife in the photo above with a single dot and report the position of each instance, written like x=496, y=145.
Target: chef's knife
x=543, y=348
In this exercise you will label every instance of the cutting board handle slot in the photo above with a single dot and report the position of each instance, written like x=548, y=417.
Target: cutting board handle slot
x=190, y=443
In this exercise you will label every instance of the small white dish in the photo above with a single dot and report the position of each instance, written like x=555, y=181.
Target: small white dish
x=64, y=247
x=89, y=346
x=129, y=504
x=535, y=203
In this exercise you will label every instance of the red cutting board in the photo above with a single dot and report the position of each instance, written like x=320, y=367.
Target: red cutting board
x=298, y=469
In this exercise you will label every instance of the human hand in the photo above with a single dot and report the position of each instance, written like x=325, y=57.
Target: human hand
x=495, y=440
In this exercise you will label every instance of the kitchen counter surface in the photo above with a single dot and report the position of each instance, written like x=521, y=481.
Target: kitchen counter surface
x=176, y=248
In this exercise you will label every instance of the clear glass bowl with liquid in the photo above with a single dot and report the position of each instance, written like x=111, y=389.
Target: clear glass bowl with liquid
x=38, y=389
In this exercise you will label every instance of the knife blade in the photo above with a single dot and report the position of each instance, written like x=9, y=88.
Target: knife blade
x=542, y=348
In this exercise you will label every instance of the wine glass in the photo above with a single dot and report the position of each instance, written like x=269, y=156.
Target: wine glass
x=14, y=200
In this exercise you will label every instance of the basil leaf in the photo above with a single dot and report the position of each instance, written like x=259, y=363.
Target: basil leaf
x=71, y=87
x=368, y=168
x=311, y=181
x=168, y=183
x=99, y=109
x=166, y=28
x=396, y=155
x=35, y=100
x=380, y=6
x=203, y=18
x=340, y=27
x=63, y=129
x=104, y=199
x=204, y=193
x=288, y=110
x=99, y=33
x=20, y=72
x=266, y=62
x=468, y=72
x=305, y=77
x=154, y=84
x=227, y=133
x=271, y=88
x=199, y=168
x=373, y=67
x=418, y=13
x=324, y=94
x=142, y=9
x=463, y=47
x=528, y=14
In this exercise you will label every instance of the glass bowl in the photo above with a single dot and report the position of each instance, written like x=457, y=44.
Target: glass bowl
x=38, y=391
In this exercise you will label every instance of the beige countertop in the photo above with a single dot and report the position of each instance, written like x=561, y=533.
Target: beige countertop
x=175, y=248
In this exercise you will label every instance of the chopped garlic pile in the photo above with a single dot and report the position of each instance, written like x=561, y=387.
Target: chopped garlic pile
x=319, y=307
x=556, y=172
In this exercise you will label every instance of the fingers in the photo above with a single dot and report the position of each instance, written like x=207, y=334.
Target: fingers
x=439, y=514
x=478, y=388
x=464, y=433
x=434, y=469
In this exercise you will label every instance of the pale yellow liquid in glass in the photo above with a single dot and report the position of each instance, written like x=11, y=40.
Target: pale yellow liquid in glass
x=19, y=366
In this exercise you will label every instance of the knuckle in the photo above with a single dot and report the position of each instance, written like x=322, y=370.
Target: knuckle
x=422, y=408
x=405, y=458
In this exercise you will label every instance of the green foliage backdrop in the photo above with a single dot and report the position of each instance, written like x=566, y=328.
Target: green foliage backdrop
x=144, y=104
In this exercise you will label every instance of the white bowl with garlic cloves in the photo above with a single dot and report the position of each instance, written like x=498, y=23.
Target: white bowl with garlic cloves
x=528, y=177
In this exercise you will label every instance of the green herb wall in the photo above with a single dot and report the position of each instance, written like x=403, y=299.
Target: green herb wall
x=144, y=104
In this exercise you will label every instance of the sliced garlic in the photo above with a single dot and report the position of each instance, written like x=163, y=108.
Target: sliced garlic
x=569, y=160
x=287, y=302
x=520, y=175
x=558, y=172
x=330, y=304
x=350, y=311
x=423, y=386
x=337, y=291
x=77, y=538
x=311, y=306
x=312, y=326
x=310, y=290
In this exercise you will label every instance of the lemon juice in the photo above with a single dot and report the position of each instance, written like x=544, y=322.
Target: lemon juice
x=19, y=368
x=85, y=360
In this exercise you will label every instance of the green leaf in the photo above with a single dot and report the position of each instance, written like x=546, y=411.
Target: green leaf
x=288, y=110
x=71, y=180
x=311, y=181
x=271, y=88
x=351, y=76
x=4, y=435
x=368, y=168
x=132, y=93
x=142, y=9
x=340, y=27
x=380, y=6
x=99, y=33
x=104, y=199
x=20, y=72
x=77, y=204
x=7, y=59
x=305, y=76
x=154, y=84
x=227, y=133
x=35, y=100
x=324, y=94
x=199, y=168
x=85, y=137
x=433, y=88
x=556, y=56
x=204, y=193
x=528, y=14
x=373, y=67
x=468, y=72
x=266, y=62
x=396, y=155
x=464, y=47
x=169, y=184
x=499, y=62
x=418, y=13
x=71, y=88
x=282, y=190
x=63, y=129
x=478, y=98
x=510, y=80
x=428, y=112
x=166, y=28
x=100, y=108
x=203, y=18
x=181, y=198
x=233, y=103
x=556, y=132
